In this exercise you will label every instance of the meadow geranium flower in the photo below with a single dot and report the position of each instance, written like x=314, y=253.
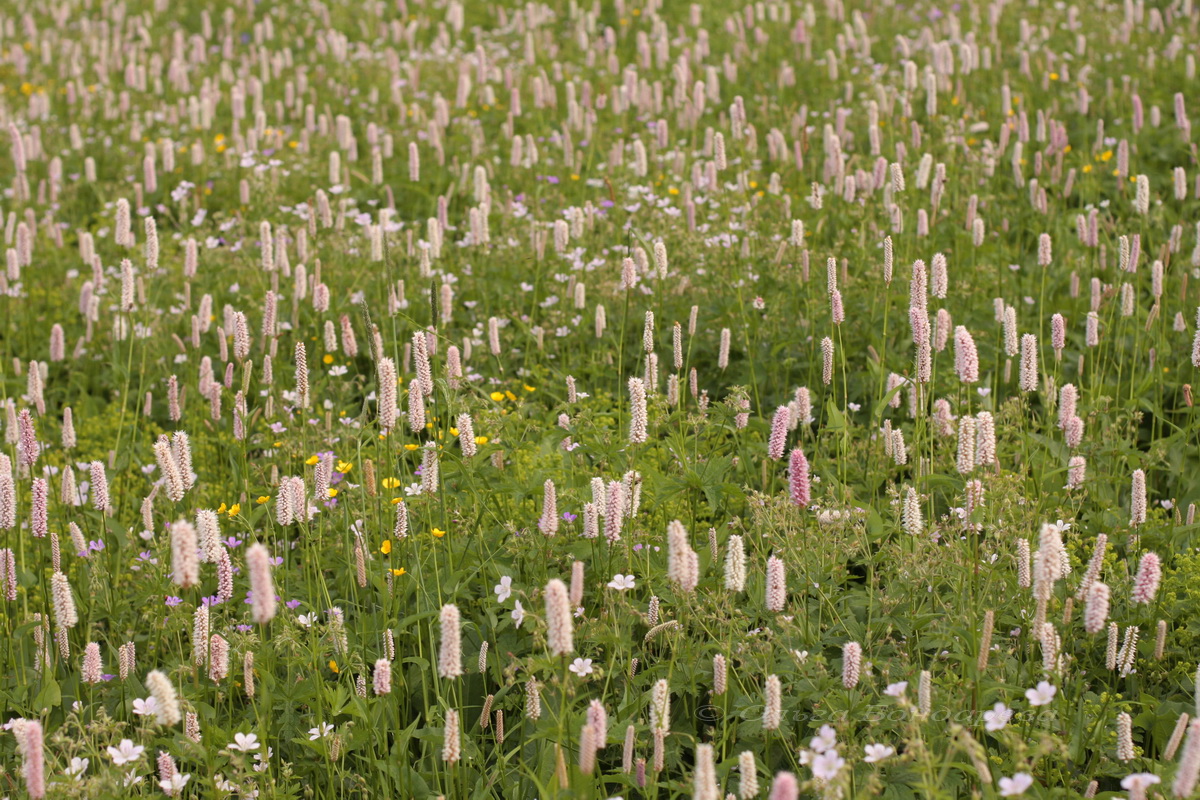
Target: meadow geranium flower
x=174, y=785
x=621, y=582
x=146, y=707
x=825, y=766
x=321, y=731
x=77, y=767
x=997, y=717
x=1042, y=694
x=245, y=742
x=262, y=761
x=896, y=689
x=125, y=753
x=581, y=667
x=131, y=778
x=503, y=589
x=1137, y=783
x=826, y=739
x=518, y=613
x=1017, y=784
x=877, y=752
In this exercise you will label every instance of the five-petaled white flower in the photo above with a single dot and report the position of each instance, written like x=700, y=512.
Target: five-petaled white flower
x=518, y=613
x=826, y=739
x=174, y=785
x=826, y=766
x=1042, y=695
x=1017, y=784
x=998, y=717
x=621, y=582
x=1139, y=782
x=503, y=589
x=581, y=666
x=144, y=708
x=319, y=732
x=244, y=742
x=126, y=752
x=896, y=689
x=878, y=752
x=77, y=768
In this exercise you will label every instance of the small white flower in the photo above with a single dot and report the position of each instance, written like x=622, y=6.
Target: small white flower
x=126, y=752
x=263, y=763
x=319, y=732
x=826, y=739
x=503, y=589
x=1139, y=782
x=581, y=666
x=1017, y=784
x=131, y=779
x=77, y=768
x=896, y=689
x=144, y=708
x=997, y=718
x=877, y=752
x=518, y=613
x=1042, y=695
x=413, y=489
x=174, y=785
x=621, y=582
x=244, y=742
x=826, y=766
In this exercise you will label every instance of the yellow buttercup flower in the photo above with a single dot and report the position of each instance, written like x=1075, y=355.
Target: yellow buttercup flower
x=386, y=547
x=510, y=396
x=410, y=447
x=438, y=533
x=481, y=440
x=399, y=572
x=327, y=358
x=390, y=483
x=235, y=509
x=344, y=466
x=333, y=492
x=333, y=666
x=312, y=461
x=497, y=396
x=221, y=509
x=263, y=499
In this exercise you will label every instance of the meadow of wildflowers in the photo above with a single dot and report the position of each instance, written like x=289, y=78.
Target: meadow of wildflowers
x=427, y=398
